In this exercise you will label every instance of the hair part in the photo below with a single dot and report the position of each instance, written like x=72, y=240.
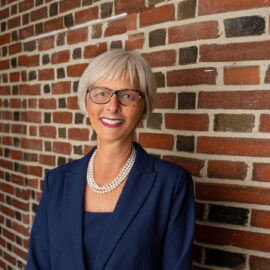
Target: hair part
x=114, y=64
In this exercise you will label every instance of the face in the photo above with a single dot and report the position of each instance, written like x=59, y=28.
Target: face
x=112, y=121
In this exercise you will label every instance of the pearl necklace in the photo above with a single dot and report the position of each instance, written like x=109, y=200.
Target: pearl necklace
x=116, y=182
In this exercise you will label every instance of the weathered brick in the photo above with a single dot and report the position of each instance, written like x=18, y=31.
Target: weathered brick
x=60, y=57
x=86, y=15
x=157, y=37
x=234, y=122
x=131, y=21
x=218, y=6
x=192, y=165
x=91, y=51
x=60, y=40
x=127, y=6
x=194, y=76
x=68, y=20
x=34, y=144
x=46, y=43
x=106, y=9
x=47, y=131
x=227, y=169
x=61, y=87
x=188, y=55
x=154, y=121
x=116, y=44
x=244, y=26
x=116, y=27
x=234, y=146
x=29, y=46
x=135, y=41
x=60, y=73
x=185, y=143
x=161, y=58
x=96, y=31
x=77, y=53
x=157, y=15
x=77, y=36
x=242, y=75
x=154, y=140
x=254, y=100
x=194, y=31
x=66, y=5
x=261, y=172
x=225, y=259
x=186, y=100
x=194, y=122
x=260, y=218
x=47, y=103
x=186, y=9
x=53, y=9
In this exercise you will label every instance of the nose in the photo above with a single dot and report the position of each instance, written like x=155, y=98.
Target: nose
x=113, y=105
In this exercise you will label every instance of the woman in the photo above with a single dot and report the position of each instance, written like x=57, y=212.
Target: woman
x=117, y=207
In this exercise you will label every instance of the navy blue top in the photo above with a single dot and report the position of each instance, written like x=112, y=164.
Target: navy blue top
x=94, y=226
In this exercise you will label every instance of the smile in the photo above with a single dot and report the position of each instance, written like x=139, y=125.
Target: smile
x=111, y=123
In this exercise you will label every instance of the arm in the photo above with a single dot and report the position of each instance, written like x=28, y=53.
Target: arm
x=38, y=253
x=177, y=248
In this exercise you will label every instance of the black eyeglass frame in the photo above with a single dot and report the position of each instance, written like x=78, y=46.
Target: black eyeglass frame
x=141, y=95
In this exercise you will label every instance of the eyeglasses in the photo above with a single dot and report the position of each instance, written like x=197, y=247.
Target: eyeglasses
x=126, y=97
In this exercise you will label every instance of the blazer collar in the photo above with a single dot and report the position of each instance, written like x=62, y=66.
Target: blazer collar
x=135, y=191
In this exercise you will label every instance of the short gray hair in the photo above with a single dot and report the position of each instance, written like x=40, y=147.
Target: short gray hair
x=112, y=65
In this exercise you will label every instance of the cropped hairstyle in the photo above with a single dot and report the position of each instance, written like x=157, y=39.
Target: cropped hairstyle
x=112, y=65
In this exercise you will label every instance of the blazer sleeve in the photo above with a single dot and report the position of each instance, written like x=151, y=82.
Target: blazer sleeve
x=38, y=253
x=177, y=248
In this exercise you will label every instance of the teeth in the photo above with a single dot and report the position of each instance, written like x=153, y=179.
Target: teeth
x=111, y=122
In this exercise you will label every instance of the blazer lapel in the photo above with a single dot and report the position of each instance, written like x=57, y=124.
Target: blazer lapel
x=134, y=193
x=73, y=210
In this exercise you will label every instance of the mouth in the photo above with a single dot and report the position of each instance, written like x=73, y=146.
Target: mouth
x=111, y=122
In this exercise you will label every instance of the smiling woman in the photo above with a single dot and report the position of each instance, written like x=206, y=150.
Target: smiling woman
x=117, y=207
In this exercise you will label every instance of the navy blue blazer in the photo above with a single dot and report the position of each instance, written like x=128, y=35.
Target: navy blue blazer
x=151, y=226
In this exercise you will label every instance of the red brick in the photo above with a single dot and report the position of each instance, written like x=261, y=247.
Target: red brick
x=32, y=103
x=39, y=14
x=157, y=15
x=76, y=70
x=233, y=193
x=4, y=90
x=258, y=263
x=62, y=148
x=47, y=131
x=91, y=51
x=234, y=146
x=7, y=140
x=60, y=57
x=28, y=61
x=31, y=116
x=7, y=211
x=47, y=103
x=72, y=103
x=79, y=134
x=254, y=100
x=35, y=170
x=8, y=257
x=77, y=36
x=192, y=165
x=261, y=172
x=15, y=103
x=6, y=115
x=227, y=169
x=264, y=123
x=16, y=154
x=127, y=5
x=116, y=27
x=165, y=100
x=19, y=129
x=160, y=58
x=61, y=88
x=53, y=24
x=26, y=32
x=241, y=75
x=47, y=160
x=46, y=43
x=260, y=218
x=7, y=188
x=243, y=51
x=25, y=5
x=66, y=5
x=62, y=117
x=46, y=74
x=194, y=76
x=86, y=15
x=160, y=141
x=135, y=41
x=238, y=238
x=2, y=263
x=194, y=31
x=4, y=39
x=131, y=21
x=14, y=22
x=194, y=122
x=14, y=77
x=4, y=14
x=14, y=48
x=33, y=131
x=4, y=64
x=219, y=6
x=16, y=179
x=33, y=144
x=20, y=205
x=21, y=253
x=26, y=89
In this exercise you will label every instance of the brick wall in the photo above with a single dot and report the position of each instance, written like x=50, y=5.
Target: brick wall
x=211, y=62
